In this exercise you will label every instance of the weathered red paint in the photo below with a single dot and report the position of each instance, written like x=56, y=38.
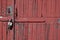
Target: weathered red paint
x=34, y=20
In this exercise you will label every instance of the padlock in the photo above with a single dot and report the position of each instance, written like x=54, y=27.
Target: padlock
x=10, y=24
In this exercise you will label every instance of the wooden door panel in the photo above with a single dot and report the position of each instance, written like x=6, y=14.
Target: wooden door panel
x=19, y=31
x=37, y=31
x=30, y=31
x=53, y=8
x=1, y=31
x=5, y=33
x=28, y=8
x=0, y=7
x=37, y=8
x=34, y=20
x=4, y=5
x=58, y=34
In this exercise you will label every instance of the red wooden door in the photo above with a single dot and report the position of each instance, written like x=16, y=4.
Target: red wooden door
x=40, y=20
x=32, y=19
x=5, y=33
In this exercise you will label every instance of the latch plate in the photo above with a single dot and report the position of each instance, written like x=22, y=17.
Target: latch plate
x=10, y=10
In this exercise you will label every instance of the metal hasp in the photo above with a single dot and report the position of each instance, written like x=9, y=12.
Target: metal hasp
x=10, y=24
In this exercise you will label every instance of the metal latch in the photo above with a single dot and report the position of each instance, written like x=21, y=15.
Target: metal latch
x=10, y=24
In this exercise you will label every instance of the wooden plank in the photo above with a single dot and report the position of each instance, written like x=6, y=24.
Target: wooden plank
x=30, y=31
x=31, y=20
x=1, y=30
x=4, y=30
x=51, y=33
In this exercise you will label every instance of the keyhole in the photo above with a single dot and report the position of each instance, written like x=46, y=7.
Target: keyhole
x=9, y=10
